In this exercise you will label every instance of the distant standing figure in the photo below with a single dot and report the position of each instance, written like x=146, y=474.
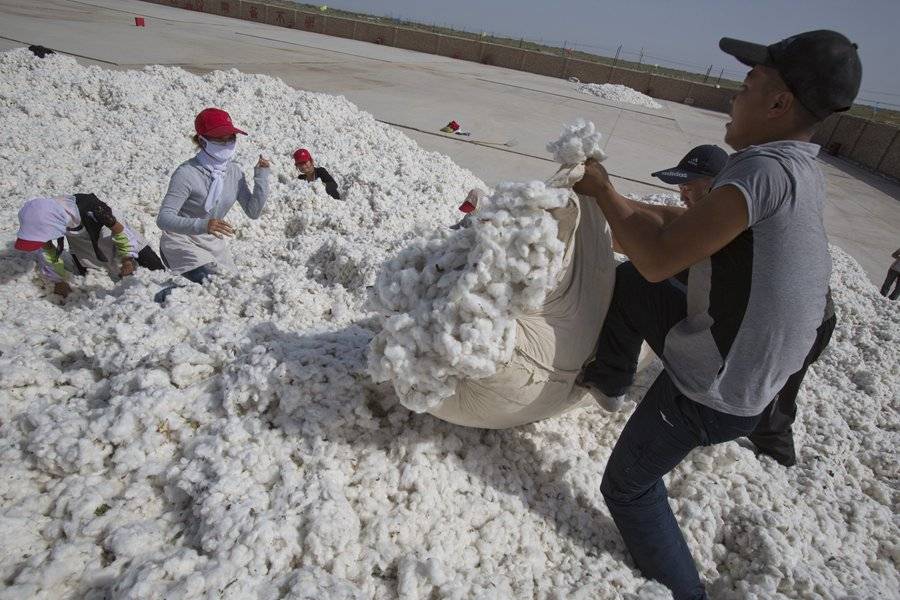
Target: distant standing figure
x=303, y=160
x=893, y=278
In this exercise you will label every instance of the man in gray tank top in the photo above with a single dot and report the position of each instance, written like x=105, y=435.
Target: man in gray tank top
x=759, y=270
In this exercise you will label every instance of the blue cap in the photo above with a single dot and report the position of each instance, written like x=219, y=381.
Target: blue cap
x=703, y=161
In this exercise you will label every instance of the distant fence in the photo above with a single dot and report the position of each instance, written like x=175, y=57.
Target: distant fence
x=542, y=63
x=873, y=145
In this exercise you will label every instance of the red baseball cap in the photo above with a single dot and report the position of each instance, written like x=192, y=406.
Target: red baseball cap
x=28, y=245
x=215, y=122
x=301, y=156
x=472, y=199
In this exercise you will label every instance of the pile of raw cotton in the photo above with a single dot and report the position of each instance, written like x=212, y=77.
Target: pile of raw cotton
x=618, y=93
x=448, y=302
x=231, y=445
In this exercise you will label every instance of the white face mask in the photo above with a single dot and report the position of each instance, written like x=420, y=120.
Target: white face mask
x=220, y=152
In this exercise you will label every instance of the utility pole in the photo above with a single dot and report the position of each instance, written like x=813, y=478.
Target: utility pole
x=722, y=72
x=705, y=77
x=641, y=59
x=616, y=59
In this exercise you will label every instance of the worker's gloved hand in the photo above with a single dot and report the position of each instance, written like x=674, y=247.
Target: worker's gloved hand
x=62, y=288
x=595, y=181
x=128, y=267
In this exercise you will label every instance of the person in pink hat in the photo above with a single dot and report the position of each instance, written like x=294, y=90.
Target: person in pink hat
x=201, y=192
x=303, y=160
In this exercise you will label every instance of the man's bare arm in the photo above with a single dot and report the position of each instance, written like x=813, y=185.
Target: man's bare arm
x=665, y=213
x=662, y=213
x=658, y=250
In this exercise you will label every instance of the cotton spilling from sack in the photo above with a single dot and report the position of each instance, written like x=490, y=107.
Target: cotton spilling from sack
x=618, y=93
x=233, y=446
x=448, y=302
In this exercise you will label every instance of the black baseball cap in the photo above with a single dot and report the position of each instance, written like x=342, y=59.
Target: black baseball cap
x=821, y=68
x=703, y=161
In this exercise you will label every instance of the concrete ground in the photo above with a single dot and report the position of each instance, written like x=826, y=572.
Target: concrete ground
x=420, y=93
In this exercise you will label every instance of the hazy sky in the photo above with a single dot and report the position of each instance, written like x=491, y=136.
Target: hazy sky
x=674, y=31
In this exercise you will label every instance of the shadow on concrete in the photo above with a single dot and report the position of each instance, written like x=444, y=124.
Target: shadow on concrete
x=880, y=182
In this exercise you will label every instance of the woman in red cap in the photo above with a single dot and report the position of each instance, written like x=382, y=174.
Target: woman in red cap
x=310, y=172
x=201, y=192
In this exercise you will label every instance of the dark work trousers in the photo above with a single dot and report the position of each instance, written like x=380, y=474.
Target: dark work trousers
x=774, y=435
x=664, y=428
x=892, y=278
x=198, y=275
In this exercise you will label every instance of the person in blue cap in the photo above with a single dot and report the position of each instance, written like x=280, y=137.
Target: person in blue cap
x=693, y=175
x=759, y=270
x=773, y=435
x=695, y=172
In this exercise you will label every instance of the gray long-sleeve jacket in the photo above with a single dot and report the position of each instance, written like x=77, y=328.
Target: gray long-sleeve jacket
x=183, y=211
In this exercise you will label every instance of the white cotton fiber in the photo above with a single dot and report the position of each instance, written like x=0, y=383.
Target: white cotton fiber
x=448, y=302
x=577, y=143
x=618, y=93
x=233, y=446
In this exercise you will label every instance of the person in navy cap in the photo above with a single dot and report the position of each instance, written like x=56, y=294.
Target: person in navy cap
x=773, y=435
x=759, y=269
x=695, y=172
x=693, y=175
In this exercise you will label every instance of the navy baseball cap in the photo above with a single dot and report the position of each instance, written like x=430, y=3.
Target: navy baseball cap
x=821, y=68
x=703, y=161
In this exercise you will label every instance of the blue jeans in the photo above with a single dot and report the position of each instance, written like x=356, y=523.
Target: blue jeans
x=198, y=275
x=664, y=428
